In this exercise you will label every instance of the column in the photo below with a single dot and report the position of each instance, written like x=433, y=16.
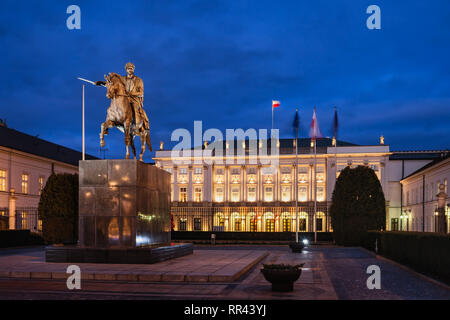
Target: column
x=243, y=197
x=226, y=184
x=259, y=179
x=189, y=189
x=12, y=209
x=175, y=184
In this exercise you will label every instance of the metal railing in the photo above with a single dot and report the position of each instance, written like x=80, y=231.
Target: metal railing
x=26, y=219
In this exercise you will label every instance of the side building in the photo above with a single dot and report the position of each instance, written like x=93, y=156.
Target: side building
x=26, y=162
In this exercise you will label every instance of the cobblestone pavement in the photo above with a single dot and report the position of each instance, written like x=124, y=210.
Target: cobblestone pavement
x=329, y=273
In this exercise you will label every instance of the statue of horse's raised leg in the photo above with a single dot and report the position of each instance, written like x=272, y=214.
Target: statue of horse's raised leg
x=104, y=131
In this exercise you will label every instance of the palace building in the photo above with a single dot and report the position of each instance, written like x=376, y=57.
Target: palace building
x=209, y=194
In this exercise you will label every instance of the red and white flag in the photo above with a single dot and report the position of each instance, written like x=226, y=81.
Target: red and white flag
x=314, y=132
x=275, y=104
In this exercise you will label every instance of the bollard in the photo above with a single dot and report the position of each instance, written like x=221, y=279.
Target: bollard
x=213, y=239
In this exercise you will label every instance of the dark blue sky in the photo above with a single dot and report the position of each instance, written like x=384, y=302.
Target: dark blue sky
x=224, y=61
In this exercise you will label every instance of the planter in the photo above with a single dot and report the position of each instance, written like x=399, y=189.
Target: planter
x=296, y=246
x=283, y=278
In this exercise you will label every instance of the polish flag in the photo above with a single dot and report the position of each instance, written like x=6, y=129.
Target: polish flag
x=314, y=132
x=275, y=104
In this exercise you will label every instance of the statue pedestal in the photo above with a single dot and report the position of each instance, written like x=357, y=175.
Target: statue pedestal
x=124, y=215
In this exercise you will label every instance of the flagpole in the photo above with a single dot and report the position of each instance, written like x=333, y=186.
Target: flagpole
x=296, y=182
x=315, y=183
x=272, y=121
x=83, y=126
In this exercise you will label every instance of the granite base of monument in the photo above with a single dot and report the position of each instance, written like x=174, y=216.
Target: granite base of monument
x=124, y=215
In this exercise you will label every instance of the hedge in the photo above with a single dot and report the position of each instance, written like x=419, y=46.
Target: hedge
x=426, y=252
x=249, y=236
x=17, y=238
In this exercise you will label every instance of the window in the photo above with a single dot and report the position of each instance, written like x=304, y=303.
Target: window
x=286, y=170
x=197, y=194
x=41, y=184
x=219, y=171
x=183, y=170
x=285, y=193
x=268, y=194
x=270, y=225
x=169, y=170
x=183, y=194
x=251, y=196
x=302, y=194
x=235, y=194
x=197, y=224
x=25, y=183
x=197, y=170
x=235, y=171
x=407, y=197
x=319, y=224
x=2, y=180
x=219, y=194
x=286, y=225
x=320, y=194
x=251, y=170
x=302, y=224
x=253, y=225
x=445, y=185
x=182, y=224
x=394, y=224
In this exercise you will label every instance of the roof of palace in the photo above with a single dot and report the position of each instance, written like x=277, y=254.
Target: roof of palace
x=418, y=155
x=444, y=156
x=20, y=141
x=286, y=145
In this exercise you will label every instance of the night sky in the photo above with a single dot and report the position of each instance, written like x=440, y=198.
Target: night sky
x=223, y=62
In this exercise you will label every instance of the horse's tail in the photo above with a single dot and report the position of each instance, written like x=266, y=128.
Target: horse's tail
x=149, y=143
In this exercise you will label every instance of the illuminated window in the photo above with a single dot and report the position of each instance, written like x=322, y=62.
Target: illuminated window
x=183, y=170
x=445, y=185
x=302, y=224
x=286, y=225
x=182, y=224
x=302, y=194
x=251, y=195
x=251, y=170
x=169, y=170
x=197, y=170
x=269, y=222
x=286, y=170
x=197, y=194
x=285, y=193
x=268, y=194
x=219, y=171
x=183, y=194
x=2, y=180
x=235, y=194
x=41, y=184
x=219, y=194
x=320, y=194
x=25, y=183
x=235, y=171
x=197, y=224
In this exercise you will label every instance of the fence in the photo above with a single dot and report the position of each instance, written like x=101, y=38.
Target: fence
x=26, y=219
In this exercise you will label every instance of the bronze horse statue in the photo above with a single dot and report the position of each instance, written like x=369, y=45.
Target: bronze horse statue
x=120, y=114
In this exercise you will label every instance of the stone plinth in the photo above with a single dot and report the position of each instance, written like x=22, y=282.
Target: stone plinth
x=123, y=203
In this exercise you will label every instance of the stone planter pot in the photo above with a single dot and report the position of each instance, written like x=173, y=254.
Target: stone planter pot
x=282, y=280
x=296, y=247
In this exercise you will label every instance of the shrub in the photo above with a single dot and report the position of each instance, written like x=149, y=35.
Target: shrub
x=358, y=205
x=58, y=208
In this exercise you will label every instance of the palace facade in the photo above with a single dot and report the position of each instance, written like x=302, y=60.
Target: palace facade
x=226, y=194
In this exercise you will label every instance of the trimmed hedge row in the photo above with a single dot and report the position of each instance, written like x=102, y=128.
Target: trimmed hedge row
x=17, y=238
x=425, y=252
x=249, y=236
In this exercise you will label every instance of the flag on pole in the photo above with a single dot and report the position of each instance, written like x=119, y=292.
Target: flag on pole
x=335, y=123
x=275, y=104
x=314, y=132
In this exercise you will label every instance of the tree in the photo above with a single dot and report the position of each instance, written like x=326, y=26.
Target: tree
x=358, y=205
x=58, y=208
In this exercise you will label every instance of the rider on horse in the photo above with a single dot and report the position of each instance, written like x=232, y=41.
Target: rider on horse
x=135, y=90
